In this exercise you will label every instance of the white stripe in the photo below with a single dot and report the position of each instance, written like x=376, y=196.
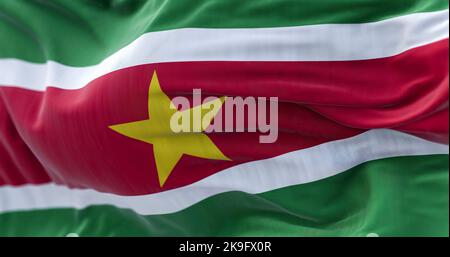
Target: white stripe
x=329, y=42
x=293, y=168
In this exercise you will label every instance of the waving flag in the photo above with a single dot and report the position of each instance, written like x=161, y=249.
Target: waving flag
x=88, y=92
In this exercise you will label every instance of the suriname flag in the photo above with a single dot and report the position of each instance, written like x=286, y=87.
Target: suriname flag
x=88, y=94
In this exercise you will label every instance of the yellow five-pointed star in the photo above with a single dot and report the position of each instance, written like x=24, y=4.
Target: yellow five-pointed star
x=168, y=146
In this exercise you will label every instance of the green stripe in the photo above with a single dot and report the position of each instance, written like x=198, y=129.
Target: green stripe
x=84, y=32
x=403, y=196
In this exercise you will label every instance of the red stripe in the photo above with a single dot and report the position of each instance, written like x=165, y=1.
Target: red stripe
x=63, y=136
